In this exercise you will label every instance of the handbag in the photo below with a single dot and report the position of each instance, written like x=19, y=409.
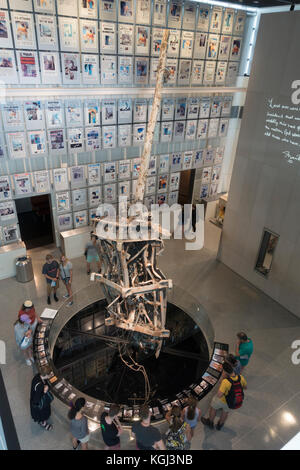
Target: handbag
x=50, y=396
x=47, y=397
x=26, y=342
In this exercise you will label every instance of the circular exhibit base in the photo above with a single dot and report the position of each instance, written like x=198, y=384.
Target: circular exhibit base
x=108, y=371
x=106, y=364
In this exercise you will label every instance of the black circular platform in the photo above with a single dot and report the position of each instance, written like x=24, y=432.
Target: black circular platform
x=84, y=357
x=94, y=366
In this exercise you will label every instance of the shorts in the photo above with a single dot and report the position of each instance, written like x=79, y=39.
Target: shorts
x=218, y=404
x=85, y=439
x=91, y=258
x=49, y=287
x=66, y=280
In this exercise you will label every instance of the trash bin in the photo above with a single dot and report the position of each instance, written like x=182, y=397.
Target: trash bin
x=24, y=271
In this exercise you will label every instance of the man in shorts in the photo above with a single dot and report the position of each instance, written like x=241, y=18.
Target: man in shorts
x=92, y=253
x=51, y=273
x=219, y=401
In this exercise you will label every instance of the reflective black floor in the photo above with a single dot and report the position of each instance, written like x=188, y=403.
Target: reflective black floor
x=95, y=366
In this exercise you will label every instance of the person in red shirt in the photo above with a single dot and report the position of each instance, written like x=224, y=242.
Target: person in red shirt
x=28, y=309
x=24, y=329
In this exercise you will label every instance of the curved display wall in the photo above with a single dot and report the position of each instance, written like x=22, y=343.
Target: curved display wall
x=84, y=357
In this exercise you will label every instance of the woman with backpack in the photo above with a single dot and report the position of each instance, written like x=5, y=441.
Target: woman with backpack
x=229, y=397
x=236, y=365
x=179, y=435
x=79, y=425
x=40, y=399
x=191, y=414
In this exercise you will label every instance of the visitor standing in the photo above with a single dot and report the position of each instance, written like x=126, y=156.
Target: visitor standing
x=236, y=365
x=66, y=274
x=179, y=435
x=147, y=436
x=28, y=309
x=229, y=397
x=79, y=425
x=51, y=273
x=24, y=329
x=111, y=428
x=191, y=414
x=92, y=253
x=40, y=399
x=244, y=349
x=194, y=217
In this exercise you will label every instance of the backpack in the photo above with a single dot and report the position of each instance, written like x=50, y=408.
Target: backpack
x=235, y=396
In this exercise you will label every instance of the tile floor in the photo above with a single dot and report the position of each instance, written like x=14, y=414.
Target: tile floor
x=270, y=416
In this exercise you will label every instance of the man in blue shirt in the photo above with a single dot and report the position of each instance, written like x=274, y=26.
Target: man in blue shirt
x=51, y=273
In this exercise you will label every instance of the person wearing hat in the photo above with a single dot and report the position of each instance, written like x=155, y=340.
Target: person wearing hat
x=24, y=330
x=29, y=310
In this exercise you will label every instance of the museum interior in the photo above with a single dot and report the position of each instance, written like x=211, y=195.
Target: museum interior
x=149, y=229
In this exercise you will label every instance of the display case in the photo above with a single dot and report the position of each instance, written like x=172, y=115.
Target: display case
x=73, y=242
x=8, y=256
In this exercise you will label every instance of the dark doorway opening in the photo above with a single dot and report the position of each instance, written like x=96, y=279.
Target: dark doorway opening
x=35, y=222
x=186, y=186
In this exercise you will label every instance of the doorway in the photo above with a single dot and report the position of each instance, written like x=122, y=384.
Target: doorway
x=35, y=220
x=186, y=186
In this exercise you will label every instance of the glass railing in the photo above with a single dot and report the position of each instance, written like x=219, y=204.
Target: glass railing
x=89, y=295
x=81, y=299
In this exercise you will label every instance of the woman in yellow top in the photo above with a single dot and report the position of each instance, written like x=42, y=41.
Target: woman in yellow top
x=219, y=401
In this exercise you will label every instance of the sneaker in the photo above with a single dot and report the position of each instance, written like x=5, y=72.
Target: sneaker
x=70, y=304
x=88, y=273
x=48, y=301
x=55, y=298
x=207, y=422
x=28, y=362
x=46, y=425
x=219, y=426
x=66, y=296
